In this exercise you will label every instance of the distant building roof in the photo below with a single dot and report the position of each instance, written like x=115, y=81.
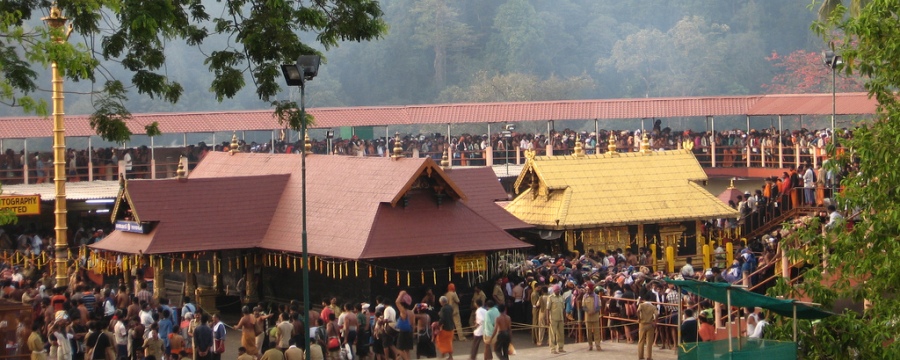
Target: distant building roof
x=357, y=208
x=495, y=112
x=565, y=192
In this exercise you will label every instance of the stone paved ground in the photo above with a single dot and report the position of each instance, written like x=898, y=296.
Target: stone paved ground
x=525, y=349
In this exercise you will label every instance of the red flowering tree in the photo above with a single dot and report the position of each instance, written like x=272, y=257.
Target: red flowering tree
x=802, y=72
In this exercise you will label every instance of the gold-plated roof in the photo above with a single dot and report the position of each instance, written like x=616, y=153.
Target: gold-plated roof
x=565, y=192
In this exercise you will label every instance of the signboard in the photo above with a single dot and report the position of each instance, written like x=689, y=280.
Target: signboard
x=463, y=263
x=22, y=204
x=130, y=226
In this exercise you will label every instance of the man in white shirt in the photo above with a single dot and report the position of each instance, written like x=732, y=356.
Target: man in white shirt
x=36, y=244
x=478, y=333
x=687, y=271
x=128, y=163
x=809, y=186
x=121, y=334
x=146, y=315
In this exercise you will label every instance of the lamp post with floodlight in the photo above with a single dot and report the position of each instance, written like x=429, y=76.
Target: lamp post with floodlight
x=297, y=74
x=833, y=61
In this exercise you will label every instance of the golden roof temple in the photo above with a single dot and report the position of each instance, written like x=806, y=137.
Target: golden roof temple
x=610, y=198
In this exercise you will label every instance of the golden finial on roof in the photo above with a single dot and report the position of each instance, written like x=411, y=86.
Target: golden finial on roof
x=307, y=144
x=445, y=159
x=181, y=173
x=645, y=145
x=579, y=151
x=731, y=184
x=529, y=154
x=611, y=148
x=234, y=143
x=398, y=147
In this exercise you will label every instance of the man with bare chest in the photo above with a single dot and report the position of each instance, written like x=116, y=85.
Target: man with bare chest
x=502, y=328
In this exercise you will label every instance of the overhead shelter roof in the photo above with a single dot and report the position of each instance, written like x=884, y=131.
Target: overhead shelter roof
x=355, y=207
x=199, y=214
x=600, y=190
x=814, y=104
x=496, y=112
x=77, y=190
x=740, y=297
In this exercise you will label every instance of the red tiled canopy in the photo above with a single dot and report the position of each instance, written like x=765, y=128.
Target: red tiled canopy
x=355, y=209
x=199, y=214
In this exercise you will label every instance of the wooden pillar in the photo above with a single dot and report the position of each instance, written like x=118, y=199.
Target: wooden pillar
x=250, y=293
x=159, y=281
x=190, y=285
x=216, y=275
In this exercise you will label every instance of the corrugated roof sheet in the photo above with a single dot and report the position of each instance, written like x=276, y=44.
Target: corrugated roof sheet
x=346, y=195
x=607, y=190
x=603, y=109
x=239, y=218
x=78, y=190
x=483, y=190
x=814, y=104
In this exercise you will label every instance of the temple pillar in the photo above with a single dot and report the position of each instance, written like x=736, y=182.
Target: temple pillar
x=159, y=281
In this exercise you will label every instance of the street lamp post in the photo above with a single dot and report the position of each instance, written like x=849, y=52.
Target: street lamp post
x=832, y=61
x=305, y=69
x=56, y=22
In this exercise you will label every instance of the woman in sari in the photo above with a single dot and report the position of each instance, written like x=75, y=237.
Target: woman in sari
x=247, y=325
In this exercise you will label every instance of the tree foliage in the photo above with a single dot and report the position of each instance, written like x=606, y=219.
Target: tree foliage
x=135, y=35
x=518, y=87
x=803, y=72
x=862, y=261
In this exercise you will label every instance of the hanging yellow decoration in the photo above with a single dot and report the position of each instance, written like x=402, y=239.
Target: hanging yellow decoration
x=172, y=265
x=295, y=264
x=450, y=274
x=189, y=266
x=370, y=271
x=407, y=278
x=356, y=269
x=181, y=265
x=340, y=272
x=385, y=276
x=423, y=277
x=434, y=273
x=398, y=277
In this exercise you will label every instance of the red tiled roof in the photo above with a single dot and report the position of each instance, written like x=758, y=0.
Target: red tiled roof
x=814, y=104
x=603, y=109
x=424, y=228
x=345, y=196
x=484, y=190
x=185, y=222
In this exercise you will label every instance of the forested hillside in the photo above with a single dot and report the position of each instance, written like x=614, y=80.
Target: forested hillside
x=509, y=50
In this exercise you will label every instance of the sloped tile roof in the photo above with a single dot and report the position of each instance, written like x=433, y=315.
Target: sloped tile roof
x=603, y=109
x=346, y=195
x=239, y=216
x=607, y=190
x=483, y=191
x=424, y=228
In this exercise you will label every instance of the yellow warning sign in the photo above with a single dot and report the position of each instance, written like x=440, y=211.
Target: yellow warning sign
x=21, y=204
x=463, y=263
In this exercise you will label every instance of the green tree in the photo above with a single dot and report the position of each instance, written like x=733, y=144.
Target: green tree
x=437, y=28
x=261, y=36
x=517, y=87
x=862, y=261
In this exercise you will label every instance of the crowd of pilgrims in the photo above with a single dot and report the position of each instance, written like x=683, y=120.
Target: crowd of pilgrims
x=86, y=321
x=733, y=147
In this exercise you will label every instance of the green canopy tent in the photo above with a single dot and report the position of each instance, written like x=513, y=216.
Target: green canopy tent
x=732, y=295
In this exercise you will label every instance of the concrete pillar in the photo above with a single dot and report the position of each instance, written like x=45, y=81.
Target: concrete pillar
x=549, y=150
x=489, y=156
